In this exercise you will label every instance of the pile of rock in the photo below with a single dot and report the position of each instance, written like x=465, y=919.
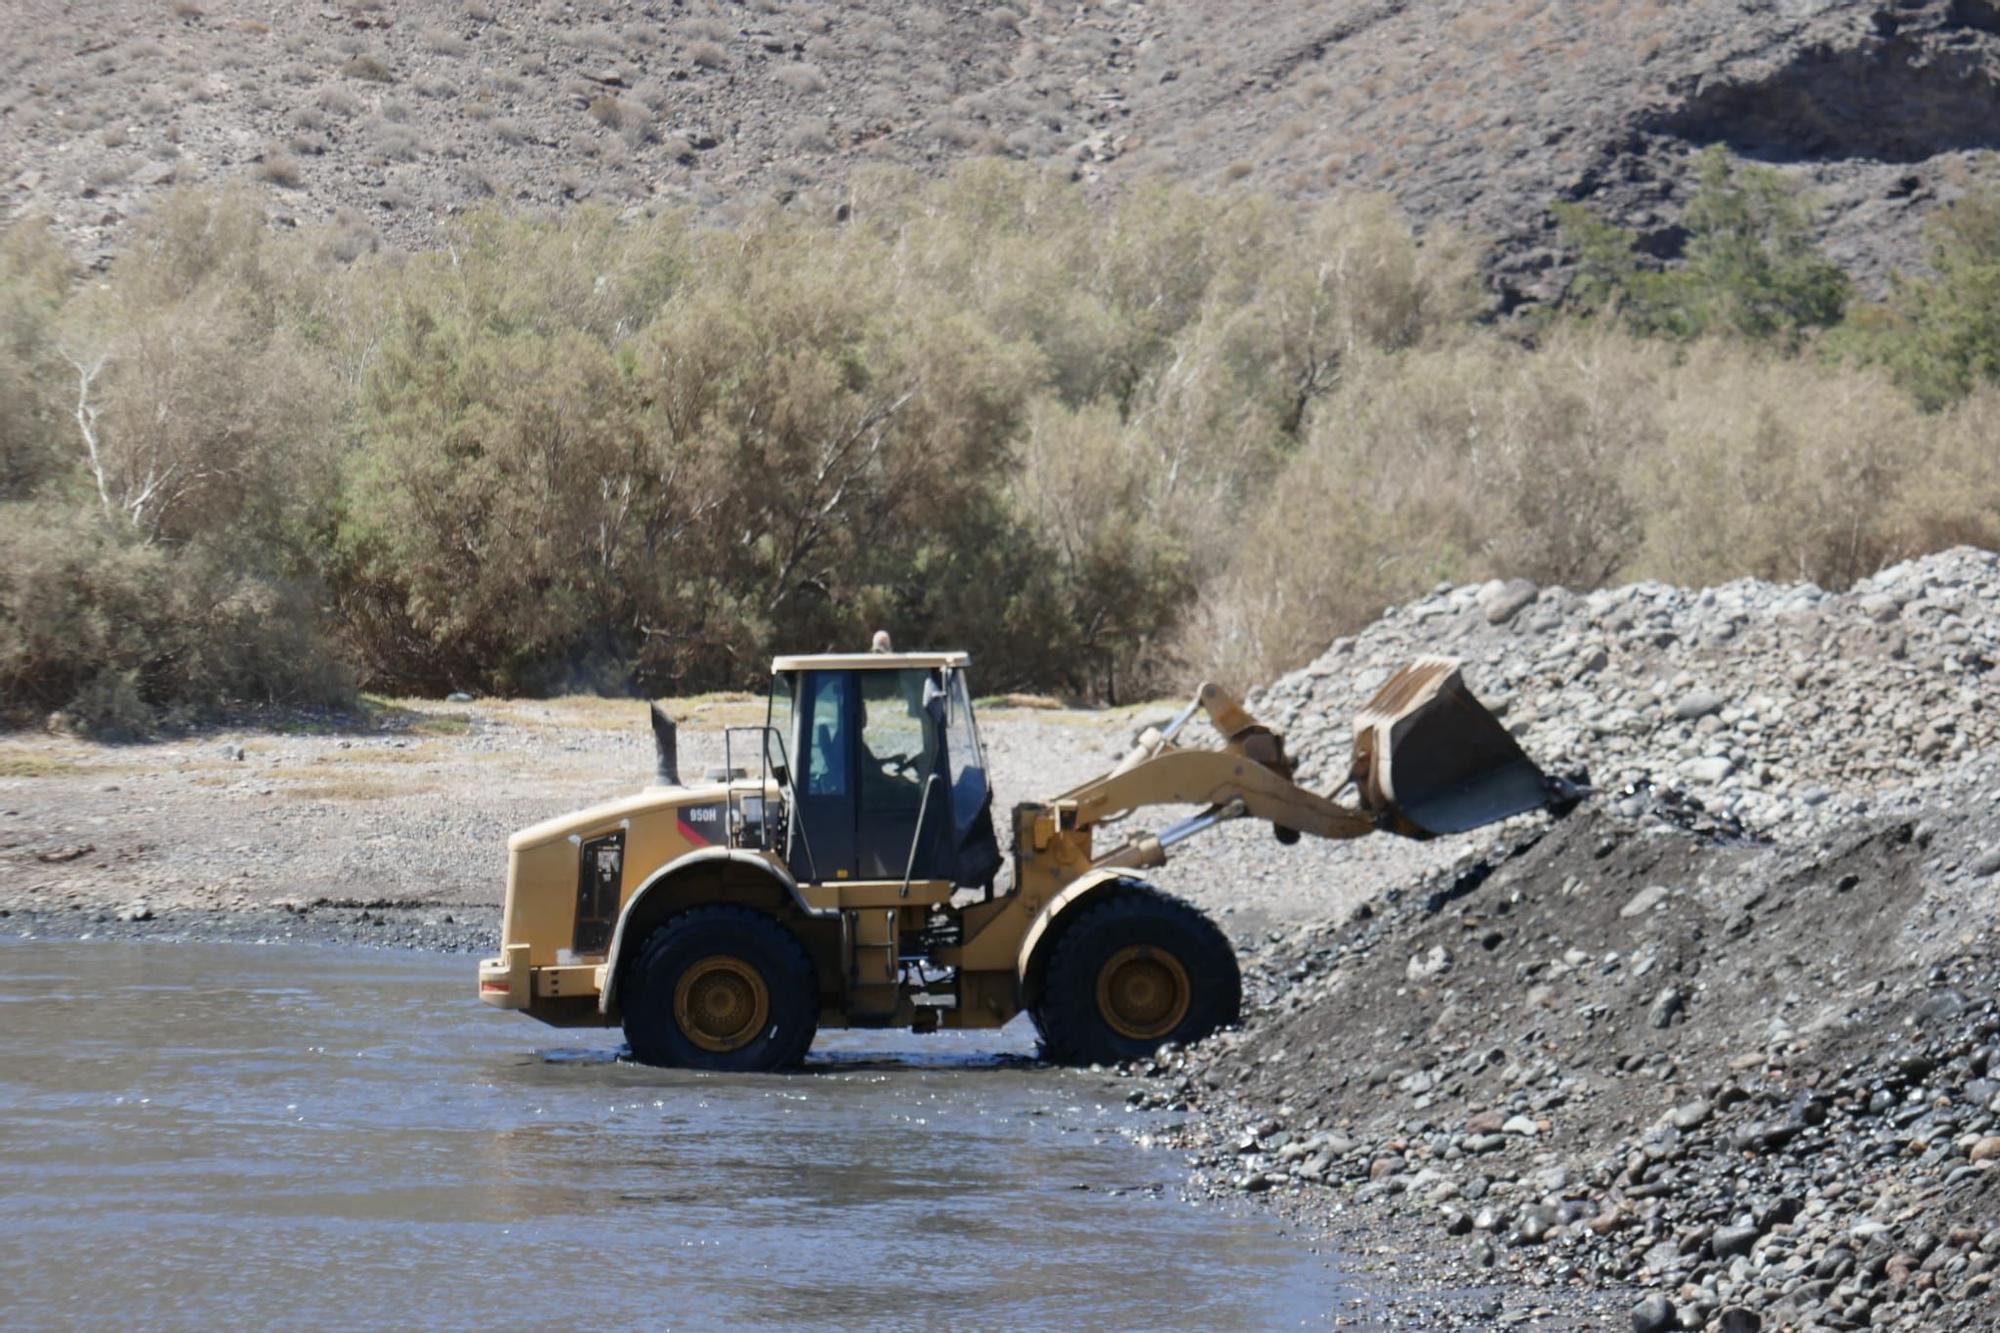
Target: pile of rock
x=1701, y=1083
x=1783, y=706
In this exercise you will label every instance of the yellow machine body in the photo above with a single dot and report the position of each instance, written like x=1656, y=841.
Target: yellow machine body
x=928, y=948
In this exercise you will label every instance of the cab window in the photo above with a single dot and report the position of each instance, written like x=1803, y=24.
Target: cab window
x=899, y=742
x=826, y=741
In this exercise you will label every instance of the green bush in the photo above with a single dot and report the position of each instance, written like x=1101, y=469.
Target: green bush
x=1940, y=335
x=1750, y=265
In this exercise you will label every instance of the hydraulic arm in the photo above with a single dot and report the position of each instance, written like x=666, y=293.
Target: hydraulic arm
x=1428, y=758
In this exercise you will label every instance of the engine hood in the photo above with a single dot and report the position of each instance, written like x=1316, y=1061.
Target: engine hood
x=596, y=818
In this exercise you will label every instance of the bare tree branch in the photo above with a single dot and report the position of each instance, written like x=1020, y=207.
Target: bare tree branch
x=86, y=421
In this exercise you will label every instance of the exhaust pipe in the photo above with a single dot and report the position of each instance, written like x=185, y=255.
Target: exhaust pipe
x=666, y=742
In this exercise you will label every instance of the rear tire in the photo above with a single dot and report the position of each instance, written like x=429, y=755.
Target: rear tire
x=1132, y=973
x=721, y=988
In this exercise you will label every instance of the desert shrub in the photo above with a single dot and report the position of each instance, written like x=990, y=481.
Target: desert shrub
x=1775, y=467
x=812, y=136
x=371, y=68
x=1455, y=462
x=656, y=502
x=119, y=633
x=393, y=142
x=279, y=166
x=1939, y=335
x=1948, y=492
x=631, y=119
x=160, y=556
x=111, y=171
x=708, y=55
x=338, y=101
x=1115, y=574
x=1591, y=457
x=1104, y=445
x=200, y=410
x=800, y=78
x=34, y=278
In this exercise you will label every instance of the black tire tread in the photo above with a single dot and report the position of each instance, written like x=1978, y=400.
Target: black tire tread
x=650, y=1036
x=1065, y=1016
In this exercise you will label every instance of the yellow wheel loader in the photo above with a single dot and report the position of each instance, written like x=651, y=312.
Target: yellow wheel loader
x=846, y=872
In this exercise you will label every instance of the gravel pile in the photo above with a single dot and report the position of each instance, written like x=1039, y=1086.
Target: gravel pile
x=1719, y=1051
x=1781, y=705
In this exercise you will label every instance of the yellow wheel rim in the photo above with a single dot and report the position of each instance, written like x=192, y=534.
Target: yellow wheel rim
x=721, y=1003
x=1143, y=992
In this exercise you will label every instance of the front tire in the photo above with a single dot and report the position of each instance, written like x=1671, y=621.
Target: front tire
x=721, y=988
x=1132, y=973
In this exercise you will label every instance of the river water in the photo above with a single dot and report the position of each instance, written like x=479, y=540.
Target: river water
x=255, y=1135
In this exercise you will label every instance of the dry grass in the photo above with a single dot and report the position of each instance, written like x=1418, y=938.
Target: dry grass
x=372, y=69
x=587, y=712
x=1030, y=702
x=32, y=764
x=111, y=172
x=280, y=168
x=800, y=78
x=338, y=100
x=357, y=788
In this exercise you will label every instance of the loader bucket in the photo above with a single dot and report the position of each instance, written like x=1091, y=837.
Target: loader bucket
x=1429, y=759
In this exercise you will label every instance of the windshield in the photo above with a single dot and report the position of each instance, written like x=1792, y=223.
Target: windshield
x=898, y=741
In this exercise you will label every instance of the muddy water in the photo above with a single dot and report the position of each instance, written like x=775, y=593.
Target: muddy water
x=242, y=1135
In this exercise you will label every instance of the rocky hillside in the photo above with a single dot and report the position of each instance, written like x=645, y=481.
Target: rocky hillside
x=390, y=116
x=1718, y=1051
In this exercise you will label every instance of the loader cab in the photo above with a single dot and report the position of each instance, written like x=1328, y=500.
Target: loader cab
x=887, y=778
